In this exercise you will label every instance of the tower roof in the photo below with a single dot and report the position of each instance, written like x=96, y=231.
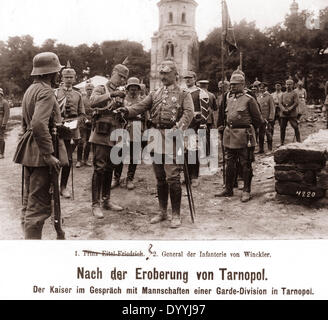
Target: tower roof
x=161, y=2
x=294, y=6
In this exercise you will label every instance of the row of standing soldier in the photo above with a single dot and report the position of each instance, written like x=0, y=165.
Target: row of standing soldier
x=169, y=107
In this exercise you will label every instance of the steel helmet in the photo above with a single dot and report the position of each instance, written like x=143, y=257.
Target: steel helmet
x=45, y=63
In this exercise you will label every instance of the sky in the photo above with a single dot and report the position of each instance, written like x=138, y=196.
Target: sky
x=74, y=22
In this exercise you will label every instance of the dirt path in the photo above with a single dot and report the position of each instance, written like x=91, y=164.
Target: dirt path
x=262, y=218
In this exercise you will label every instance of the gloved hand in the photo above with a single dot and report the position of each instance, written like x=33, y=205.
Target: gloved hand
x=52, y=162
x=221, y=129
x=118, y=94
x=122, y=110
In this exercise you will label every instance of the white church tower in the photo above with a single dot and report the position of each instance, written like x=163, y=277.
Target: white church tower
x=176, y=38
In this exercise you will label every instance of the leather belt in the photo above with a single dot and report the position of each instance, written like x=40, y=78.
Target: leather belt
x=246, y=126
x=162, y=126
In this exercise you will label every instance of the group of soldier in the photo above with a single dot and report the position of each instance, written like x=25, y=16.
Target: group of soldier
x=245, y=116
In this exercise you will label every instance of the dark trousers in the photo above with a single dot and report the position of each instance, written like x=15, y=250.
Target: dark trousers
x=84, y=146
x=245, y=157
x=36, y=201
x=102, y=174
x=265, y=130
x=134, y=159
x=283, y=124
x=193, y=168
x=2, y=141
x=276, y=118
x=67, y=169
x=168, y=182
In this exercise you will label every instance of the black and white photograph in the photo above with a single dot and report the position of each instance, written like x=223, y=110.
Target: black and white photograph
x=172, y=121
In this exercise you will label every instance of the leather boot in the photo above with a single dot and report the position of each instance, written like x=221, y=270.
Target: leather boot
x=247, y=175
x=270, y=145
x=230, y=181
x=64, y=179
x=108, y=205
x=2, y=149
x=96, y=188
x=175, y=196
x=97, y=213
x=163, y=195
x=33, y=233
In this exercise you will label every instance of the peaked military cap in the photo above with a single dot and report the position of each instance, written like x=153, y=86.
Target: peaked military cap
x=168, y=66
x=203, y=82
x=289, y=81
x=190, y=74
x=256, y=83
x=89, y=85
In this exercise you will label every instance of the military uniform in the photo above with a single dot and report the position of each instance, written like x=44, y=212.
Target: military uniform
x=212, y=107
x=302, y=95
x=242, y=117
x=289, y=112
x=72, y=108
x=39, y=107
x=83, y=148
x=105, y=122
x=4, y=117
x=267, y=108
x=136, y=128
x=277, y=101
x=168, y=106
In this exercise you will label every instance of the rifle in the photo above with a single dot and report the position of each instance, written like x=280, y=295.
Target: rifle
x=189, y=190
x=55, y=190
x=23, y=183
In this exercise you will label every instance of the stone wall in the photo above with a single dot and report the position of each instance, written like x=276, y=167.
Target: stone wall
x=301, y=169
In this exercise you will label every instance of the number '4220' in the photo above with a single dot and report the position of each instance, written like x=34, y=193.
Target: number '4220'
x=306, y=194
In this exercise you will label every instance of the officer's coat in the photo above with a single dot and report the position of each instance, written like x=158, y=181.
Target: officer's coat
x=38, y=106
x=72, y=98
x=267, y=106
x=4, y=112
x=167, y=106
x=100, y=98
x=242, y=111
x=135, y=126
x=287, y=100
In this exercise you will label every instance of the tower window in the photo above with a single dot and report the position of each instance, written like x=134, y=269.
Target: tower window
x=183, y=18
x=170, y=17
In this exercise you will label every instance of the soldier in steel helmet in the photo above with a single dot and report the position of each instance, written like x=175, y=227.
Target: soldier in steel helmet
x=104, y=100
x=136, y=127
x=289, y=111
x=242, y=117
x=170, y=108
x=35, y=148
x=72, y=109
x=84, y=146
x=4, y=117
